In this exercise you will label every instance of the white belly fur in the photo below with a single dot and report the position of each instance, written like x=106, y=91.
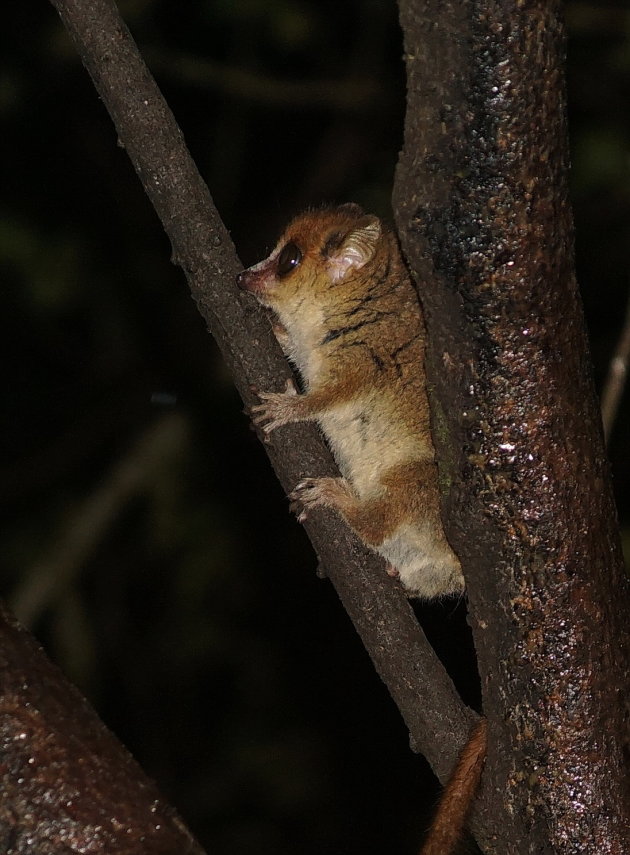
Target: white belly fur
x=363, y=443
x=365, y=448
x=427, y=569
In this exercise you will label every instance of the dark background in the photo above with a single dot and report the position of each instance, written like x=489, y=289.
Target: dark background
x=186, y=605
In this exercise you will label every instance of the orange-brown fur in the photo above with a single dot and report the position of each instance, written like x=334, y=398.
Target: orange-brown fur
x=458, y=795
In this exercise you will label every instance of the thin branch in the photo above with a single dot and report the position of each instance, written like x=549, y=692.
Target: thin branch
x=437, y=720
x=67, y=784
x=616, y=378
x=86, y=527
x=353, y=94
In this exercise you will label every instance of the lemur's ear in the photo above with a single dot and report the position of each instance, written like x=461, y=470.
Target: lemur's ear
x=354, y=249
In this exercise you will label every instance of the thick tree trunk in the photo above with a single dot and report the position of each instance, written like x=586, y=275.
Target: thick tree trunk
x=482, y=206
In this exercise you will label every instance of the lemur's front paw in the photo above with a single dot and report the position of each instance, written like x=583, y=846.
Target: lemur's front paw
x=319, y=492
x=275, y=408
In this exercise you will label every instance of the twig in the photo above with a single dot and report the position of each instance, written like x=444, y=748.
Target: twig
x=616, y=378
x=353, y=94
x=86, y=528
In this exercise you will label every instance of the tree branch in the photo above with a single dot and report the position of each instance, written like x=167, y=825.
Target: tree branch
x=85, y=528
x=437, y=720
x=352, y=94
x=67, y=784
x=201, y=245
x=481, y=198
x=616, y=377
x=147, y=130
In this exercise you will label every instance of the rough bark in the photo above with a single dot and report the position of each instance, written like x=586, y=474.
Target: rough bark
x=482, y=206
x=67, y=783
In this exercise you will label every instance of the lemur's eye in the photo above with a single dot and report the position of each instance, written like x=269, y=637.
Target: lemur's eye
x=288, y=260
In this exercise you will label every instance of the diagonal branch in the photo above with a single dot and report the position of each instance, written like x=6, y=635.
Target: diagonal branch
x=617, y=376
x=202, y=247
x=67, y=784
x=135, y=472
x=436, y=718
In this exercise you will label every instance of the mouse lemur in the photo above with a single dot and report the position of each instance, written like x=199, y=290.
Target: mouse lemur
x=349, y=319
x=351, y=323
